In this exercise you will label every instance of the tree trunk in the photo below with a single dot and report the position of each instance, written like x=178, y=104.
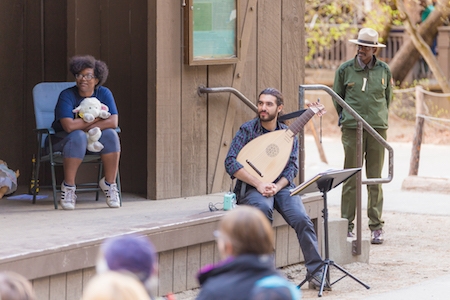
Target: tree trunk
x=408, y=55
x=424, y=49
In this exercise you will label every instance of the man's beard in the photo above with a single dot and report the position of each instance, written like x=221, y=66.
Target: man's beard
x=269, y=117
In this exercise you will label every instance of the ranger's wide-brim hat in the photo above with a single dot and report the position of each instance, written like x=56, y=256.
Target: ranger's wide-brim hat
x=367, y=37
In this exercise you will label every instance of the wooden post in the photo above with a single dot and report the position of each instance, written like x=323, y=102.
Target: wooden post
x=443, y=48
x=417, y=141
x=318, y=142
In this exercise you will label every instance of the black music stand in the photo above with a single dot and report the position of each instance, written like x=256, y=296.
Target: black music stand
x=324, y=182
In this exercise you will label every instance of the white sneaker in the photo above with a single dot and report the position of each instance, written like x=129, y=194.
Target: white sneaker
x=111, y=193
x=68, y=197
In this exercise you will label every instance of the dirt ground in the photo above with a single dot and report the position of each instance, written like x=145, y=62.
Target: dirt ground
x=415, y=250
x=416, y=247
x=412, y=253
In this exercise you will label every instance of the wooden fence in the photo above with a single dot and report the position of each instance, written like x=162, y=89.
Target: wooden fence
x=341, y=50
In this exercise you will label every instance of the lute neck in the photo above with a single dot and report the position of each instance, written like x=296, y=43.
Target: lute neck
x=301, y=121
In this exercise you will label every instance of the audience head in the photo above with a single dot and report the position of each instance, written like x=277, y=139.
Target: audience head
x=114, y=285
x=245, y=230
x=130, y=253
x=79, y=63
x=14, y=286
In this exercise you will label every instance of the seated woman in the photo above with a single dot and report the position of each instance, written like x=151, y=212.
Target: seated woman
x=90, y=74
x=247, y=271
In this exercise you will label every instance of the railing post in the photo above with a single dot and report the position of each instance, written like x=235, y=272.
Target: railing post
x=301, y=138
x=356, y=244
x=418, y=134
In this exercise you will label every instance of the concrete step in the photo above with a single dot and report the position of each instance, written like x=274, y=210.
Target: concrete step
x=340, y=247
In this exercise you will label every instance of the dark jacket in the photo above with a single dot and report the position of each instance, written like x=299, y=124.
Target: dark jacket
x=235, y=278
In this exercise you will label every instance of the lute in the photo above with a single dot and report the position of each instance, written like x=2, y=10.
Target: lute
x=266, y=156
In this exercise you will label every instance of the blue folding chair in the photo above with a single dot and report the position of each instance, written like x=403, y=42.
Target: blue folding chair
x=45, y=97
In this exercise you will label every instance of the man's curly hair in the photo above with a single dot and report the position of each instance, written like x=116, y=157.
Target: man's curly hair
x=79, y=63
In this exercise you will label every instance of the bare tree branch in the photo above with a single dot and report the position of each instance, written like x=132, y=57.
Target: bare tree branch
x=423, y=37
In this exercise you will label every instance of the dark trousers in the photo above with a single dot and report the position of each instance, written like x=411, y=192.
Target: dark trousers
x=293, y=211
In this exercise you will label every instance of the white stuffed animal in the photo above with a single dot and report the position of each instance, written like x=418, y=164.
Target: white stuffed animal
x=91, y=108
x=88, y=110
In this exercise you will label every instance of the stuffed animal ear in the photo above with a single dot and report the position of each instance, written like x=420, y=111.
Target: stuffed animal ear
x=76, y=109
x=104, y=107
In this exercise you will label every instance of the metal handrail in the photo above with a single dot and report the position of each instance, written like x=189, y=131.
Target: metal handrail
x=361, y=123
x=202, y=89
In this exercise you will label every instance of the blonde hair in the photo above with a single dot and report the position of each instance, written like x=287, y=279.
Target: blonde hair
x=248, y=230
x=14, y=286
x=115, y=286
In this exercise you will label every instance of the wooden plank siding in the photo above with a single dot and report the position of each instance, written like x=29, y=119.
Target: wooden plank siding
x=124, y=24
x=151, y=111
x=62, y=271
x=180, y=257
x=221, y=182
x=168, y=101
x=42, y=35
x=194, y=133
x=292, y=52
x=218, y=105
x=269, y=44
x=193, y=265
x=12, y=60
x=75, y=284
x=65, y=286
x=173, y=140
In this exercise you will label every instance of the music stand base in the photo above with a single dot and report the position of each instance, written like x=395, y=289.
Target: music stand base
x=325, y=265
x=324, y=183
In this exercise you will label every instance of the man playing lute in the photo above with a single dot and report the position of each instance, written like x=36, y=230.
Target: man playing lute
x=252, y=189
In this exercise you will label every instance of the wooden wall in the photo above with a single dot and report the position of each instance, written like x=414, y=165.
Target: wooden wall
x=116, y=32
x=38, y=38
x=178, y=268
x=27, y=56
x=173, y=140
x=190, y=148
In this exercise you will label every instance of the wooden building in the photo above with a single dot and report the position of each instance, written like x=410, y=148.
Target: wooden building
x=173, y=139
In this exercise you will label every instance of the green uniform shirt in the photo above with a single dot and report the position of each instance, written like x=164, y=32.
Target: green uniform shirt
x=367, y=91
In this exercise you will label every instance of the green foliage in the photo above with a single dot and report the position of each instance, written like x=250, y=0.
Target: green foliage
x=384, y=14
x=328, y=21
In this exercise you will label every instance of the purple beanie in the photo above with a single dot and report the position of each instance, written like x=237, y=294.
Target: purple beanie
x=131, y=253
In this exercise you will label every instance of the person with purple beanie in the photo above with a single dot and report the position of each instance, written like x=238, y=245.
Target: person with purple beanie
x=131, y=254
